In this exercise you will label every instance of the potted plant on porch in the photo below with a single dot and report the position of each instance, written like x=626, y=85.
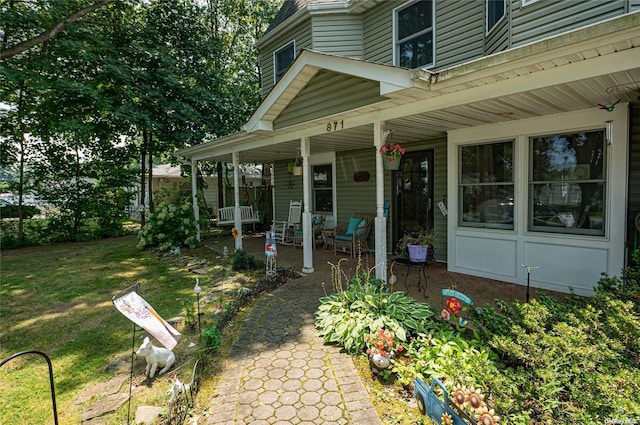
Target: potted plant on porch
x=416, y=245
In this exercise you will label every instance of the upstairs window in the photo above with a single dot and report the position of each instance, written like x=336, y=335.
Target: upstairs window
x=414, y=35
x=496, y=9
x=282, y=58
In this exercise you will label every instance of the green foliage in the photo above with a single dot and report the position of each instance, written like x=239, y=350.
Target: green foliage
x=171, y=225
x=11, y=211
x=448, y=356
x=569, y=361
x=242, y=260
x=346, y=317
x=211, y=337
x=190, y=314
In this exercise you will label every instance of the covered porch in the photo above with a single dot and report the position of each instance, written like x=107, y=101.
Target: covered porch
x=481, y=290
x=335, y=110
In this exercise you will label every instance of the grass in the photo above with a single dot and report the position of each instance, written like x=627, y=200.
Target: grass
x=57, y=299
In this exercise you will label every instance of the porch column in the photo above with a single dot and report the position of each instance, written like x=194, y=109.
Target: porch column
x=194, y=197
x=307, y=231
x=235, y=156
x=381, y=221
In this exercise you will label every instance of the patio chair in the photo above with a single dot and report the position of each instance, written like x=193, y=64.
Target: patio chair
x=352, y=237
x=283, y=230
x=317, y=223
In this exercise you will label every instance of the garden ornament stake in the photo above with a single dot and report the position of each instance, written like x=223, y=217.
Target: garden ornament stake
x=529, y=276
x=197, y=289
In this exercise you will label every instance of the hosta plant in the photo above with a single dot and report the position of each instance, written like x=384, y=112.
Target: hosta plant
x=348, y=315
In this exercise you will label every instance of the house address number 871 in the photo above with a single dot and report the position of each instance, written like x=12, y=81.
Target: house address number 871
x=335, y=125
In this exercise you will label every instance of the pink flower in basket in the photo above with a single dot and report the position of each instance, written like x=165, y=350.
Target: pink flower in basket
x=392, y=151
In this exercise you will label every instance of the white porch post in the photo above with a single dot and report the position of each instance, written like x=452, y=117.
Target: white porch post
x=381, y=221
x=236, y=197
x=194, y=197
x=307, y=231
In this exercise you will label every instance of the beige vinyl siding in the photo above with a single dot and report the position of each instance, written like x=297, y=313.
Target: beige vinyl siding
x=459, y=32
x=378, y=33
x=546, y=18
x=328, y=93
x=302, y=36
x=338, y=35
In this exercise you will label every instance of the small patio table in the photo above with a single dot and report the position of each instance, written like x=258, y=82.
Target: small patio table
x=421, y=266
x=328, y=236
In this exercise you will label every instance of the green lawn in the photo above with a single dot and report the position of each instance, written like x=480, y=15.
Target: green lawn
x=57, y=299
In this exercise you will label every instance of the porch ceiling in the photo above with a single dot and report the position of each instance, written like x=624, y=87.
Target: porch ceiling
x=573, y=96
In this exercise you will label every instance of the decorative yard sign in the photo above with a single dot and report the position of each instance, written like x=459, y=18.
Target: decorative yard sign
x=136, y=309
x=270, y=252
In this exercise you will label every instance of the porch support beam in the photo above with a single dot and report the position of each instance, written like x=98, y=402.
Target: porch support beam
x=194, y=197
x=307, y=231
x=381, y=221
x=236, y=197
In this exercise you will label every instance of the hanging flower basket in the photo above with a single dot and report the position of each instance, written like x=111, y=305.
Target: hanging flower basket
x=297, y=170
x=391, y=155
x=391, y=164
x=417, y=253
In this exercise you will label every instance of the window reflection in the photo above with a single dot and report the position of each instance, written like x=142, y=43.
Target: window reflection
x=567, y=184
x=486, y=185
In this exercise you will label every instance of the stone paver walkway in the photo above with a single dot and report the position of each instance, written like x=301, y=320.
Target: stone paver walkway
x=282, y=373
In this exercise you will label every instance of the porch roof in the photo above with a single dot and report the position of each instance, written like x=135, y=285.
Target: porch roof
x=576, y=70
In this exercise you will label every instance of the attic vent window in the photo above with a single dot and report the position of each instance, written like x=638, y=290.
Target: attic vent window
x=414, y=36
x=282, y=58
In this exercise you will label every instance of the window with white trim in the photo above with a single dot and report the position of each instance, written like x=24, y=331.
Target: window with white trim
x=323, y=188
x=282, y=58
x=496, y=10
x=486, y=185
x=567, y=183
x=414, y=35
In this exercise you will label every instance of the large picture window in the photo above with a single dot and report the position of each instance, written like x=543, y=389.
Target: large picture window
x=567, y=183
x=282, y=58
x=323, y=188
x=414, y=43
x=486, y=185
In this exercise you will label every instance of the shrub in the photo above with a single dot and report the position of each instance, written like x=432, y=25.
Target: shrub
x=347, y=316
x=211, y=337
x=242, y=260
x=169, y=226
x=569, y=361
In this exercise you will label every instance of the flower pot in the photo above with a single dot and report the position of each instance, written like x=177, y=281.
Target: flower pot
x=417, y=253
x=391, y=163
x=297, y=170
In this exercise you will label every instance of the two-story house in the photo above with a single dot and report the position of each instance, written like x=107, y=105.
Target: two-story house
x=520, y=121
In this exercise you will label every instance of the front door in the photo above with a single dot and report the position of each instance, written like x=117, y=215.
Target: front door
x=414, y=193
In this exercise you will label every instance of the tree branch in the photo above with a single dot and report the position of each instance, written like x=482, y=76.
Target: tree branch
x=51, y=32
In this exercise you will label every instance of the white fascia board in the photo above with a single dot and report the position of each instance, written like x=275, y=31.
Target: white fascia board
x=391, y=78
